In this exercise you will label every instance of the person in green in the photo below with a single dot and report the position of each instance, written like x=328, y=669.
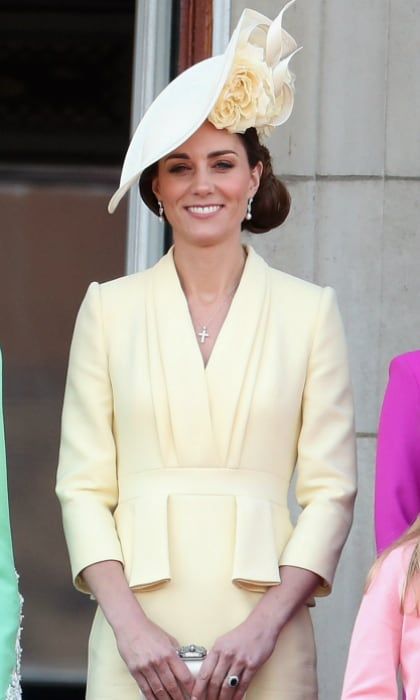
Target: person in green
x=10, y=601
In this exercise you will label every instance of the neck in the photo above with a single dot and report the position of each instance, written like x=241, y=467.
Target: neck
x=210, y=272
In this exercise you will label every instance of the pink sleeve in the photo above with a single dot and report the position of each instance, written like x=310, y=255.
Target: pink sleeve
x=374, y=654
x=397, y=486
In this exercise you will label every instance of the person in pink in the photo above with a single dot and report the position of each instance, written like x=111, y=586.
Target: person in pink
x=397, y=484
x=386, y=635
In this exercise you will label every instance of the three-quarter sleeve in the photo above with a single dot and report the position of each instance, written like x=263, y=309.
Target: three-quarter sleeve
x=397, y=483
x=374, y=653
x=87, y=479
x=326, y=461
x=9, y=595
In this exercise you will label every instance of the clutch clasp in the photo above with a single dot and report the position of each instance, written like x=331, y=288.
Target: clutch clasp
x=192, y=651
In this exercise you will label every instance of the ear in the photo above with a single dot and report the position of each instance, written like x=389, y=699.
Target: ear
x=256, y=173
x=155, y=187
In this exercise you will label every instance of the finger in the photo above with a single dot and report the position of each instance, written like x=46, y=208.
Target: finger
x=182, y=674
x=170, y=682
x=156, y=684
x=218, y=678
x=144, y=686
x=245, y=679
x=204, y=675
x=227, y=692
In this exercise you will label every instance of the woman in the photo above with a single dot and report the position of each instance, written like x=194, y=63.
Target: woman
x=194, y=389
x=9, y=595
x=397, y=480
x=386, y=635
x=397, y=485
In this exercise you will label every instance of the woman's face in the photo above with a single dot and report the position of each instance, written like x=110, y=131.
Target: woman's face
x=204, y=186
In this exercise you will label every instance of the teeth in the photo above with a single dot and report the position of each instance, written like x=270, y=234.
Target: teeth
x=204, y=210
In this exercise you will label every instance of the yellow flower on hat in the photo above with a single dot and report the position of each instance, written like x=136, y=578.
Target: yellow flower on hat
x=259, y=91
x=248, y=96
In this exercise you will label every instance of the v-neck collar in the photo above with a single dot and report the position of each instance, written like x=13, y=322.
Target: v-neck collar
x=233, y=366
x=206, y=405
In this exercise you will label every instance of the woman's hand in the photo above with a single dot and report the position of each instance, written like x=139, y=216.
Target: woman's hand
x=241, y=653
x=151, y=658
x=245, y=649
x=150, y=653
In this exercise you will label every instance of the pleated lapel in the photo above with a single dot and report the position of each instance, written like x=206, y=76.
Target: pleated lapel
x=184, y=423
x=233, y=366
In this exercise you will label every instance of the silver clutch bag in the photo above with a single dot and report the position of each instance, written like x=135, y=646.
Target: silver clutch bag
x=193, y=656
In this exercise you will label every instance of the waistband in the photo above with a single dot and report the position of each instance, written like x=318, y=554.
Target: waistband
x=205, y=481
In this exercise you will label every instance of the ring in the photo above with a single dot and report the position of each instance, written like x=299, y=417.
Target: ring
x=232, y=681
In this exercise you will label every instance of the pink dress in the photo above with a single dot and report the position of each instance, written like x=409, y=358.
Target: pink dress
x=385, y=639
x=397, y=489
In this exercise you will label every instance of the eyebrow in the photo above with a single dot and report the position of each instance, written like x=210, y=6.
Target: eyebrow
x=213, y=154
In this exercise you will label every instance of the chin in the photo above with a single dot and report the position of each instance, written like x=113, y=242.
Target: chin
x=207, y=238
x=209, y=235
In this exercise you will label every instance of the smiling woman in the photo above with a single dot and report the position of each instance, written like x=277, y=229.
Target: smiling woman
x=205, y=188
x=194, y=391
x=271, y=201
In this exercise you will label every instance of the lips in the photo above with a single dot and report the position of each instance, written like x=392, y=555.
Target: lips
x=205, y=210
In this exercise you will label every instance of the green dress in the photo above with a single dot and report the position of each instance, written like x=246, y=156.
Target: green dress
x=10, y=602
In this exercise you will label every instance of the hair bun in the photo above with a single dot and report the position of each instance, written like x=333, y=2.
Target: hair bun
x=272, y=201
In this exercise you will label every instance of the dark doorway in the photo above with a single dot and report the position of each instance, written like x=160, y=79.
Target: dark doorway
x=65, y=80
x=43, y=691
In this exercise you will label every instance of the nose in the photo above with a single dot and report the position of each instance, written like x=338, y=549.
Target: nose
x=202, y=182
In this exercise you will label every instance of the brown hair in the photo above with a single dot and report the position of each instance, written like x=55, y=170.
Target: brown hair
x=412, y=534
x=271, y=203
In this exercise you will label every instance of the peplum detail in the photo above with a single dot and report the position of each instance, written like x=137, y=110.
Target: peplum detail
x=257, y=548
x=261, y=530
x=142, y=526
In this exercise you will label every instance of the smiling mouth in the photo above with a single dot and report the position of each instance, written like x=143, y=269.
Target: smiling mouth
x=204, y=210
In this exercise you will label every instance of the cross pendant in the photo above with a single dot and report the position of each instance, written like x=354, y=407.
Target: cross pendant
x=203, y=334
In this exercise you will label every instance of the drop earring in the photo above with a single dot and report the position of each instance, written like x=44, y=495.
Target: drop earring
x=160, y=207
x=248, y=209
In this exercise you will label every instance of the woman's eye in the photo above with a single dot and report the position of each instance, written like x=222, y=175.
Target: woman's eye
x=224, y=165
x=180, y=168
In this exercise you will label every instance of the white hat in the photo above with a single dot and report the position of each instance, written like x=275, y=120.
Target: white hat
x=248, y=86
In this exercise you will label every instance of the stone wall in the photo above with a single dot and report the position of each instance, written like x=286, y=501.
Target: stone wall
x=350, y=155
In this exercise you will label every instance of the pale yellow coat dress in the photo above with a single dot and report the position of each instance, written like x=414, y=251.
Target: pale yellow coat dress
x=181, y=472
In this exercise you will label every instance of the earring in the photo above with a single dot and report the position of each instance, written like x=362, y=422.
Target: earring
x=248, y=209
x=160, y=207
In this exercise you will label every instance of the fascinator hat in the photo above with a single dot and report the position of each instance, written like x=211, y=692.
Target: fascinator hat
x=249, y=85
